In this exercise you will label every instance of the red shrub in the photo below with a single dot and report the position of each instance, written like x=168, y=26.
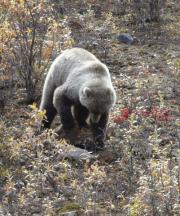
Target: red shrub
x=159, y=114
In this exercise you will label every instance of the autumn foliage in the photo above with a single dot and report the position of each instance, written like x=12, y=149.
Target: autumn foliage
x=28, y=41
x=138, y=172
x=156, y=113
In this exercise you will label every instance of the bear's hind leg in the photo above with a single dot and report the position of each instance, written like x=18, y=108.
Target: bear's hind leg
x=47, y=104
x=50, y=114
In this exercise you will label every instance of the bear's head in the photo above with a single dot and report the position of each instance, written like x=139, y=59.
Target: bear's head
x=98, y=99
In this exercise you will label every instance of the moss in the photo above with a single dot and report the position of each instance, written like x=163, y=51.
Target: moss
x=4, y=171
x=70, y=206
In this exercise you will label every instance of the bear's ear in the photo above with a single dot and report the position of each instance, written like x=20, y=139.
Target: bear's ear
x=87, y=92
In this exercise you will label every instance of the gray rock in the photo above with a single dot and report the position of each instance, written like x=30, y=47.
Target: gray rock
x=77, y=154
x=127, y=39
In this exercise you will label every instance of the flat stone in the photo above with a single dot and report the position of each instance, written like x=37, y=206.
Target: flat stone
x=77, y=154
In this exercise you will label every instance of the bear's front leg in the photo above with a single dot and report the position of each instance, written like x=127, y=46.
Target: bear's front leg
x=99, y=131
x=65, y=113
x=63, y=107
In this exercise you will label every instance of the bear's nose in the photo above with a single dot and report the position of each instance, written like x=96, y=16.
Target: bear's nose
x=95, y=117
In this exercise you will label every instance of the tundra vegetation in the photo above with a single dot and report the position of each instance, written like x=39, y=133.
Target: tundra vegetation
x=138, y=172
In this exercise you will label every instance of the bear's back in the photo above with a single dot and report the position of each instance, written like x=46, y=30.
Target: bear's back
x=70, y=63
